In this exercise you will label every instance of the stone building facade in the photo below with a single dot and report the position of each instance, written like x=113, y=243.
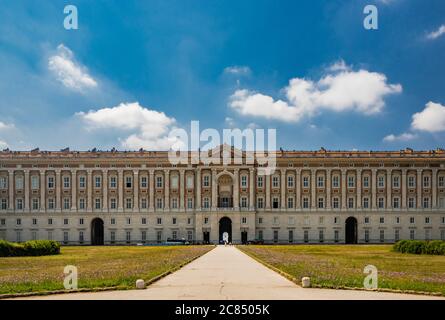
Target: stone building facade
x=320, y=196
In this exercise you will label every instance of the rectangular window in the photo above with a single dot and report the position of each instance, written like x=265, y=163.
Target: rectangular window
x=128, y=182
x=97, y=204
x=82, y=182
x=113, y=203
x=260, y=181
x=382, y=220
x=34, y=182
x=190, y=203
x=143, y=203
x=381, y=181
x=412, y=220
x=335, y=203
x=159, y=221
x=65, y=236
x=206, y=203
x=66, y=182
x=81, y=221
x=4, y=204
x=112, y=236
x=321, y=235
x=206, y=182
x=159, y=182
x=128, y=203
x=305, y=182
x=66, y=203
x=365, y=203
x=144, y=182
x=306, y=236
x=411, y=203
x=81, y=203
x=381, y=203
x=335, y=181
x=174, y=182
x=275, y=182
x=305, y=203
x=159, y=203
x=441, y=181
x=426, y=181
x=366, y=220
x=144, y=220
x=190, y=235
x=189, y=182
x=320, y=203
x=382, y=235
x=275, y=203
x=350, y=203
x=395, y=203
x=396, y=235
x=113, y=221
x=290, y=181
x=396, y=182
x=50, y=182
x=427, y=220
x=35, y=204
x=158, y=236
x=243, y=181
x=19, y=204
x=113, y=182
x=290, y=202
x=3, y=183
x=320, y=182
x=366, y=182
x=19, y=182
x=275, y=236
x=366, y=235
x=412, y=234
x=260, y=234
x=351, y=182
x=291, y=236
x=426, y=203
x=411, y=182
x=81, y=237
x=260, y=203
x=144, y=236
x=243, y=202
x=244, y=220
x=336, y=236
x=174, y=221
x=97, y=181
x=51, y=203
x=128, y=236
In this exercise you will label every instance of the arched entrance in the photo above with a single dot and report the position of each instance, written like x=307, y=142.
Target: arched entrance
x=225, y=225
x=97, y=232
x=351, y=230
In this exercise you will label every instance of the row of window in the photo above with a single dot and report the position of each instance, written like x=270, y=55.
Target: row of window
x=321, y=235
x=244, y=203
x=81, y=236
x=174, y=182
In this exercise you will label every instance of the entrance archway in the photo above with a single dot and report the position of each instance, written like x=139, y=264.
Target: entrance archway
x=351, y=230
x=225, y=225
x=97, y=232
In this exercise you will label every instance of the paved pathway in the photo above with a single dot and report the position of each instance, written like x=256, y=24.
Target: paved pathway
x=227, y=273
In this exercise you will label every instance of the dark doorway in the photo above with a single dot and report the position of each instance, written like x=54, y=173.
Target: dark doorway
x=97, y=232
x=206, y=237
x=244, y=237
x=351, y=230
x=225, y=225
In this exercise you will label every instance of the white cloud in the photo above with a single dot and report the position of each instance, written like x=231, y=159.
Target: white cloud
x=402, y=137
x=229, y=122
x=436, y=34
x=6, y=126
x=73, y=75
x=340, y=89
x=148, y=129
x=3, y=145
x=238, y=70
x=431, y=119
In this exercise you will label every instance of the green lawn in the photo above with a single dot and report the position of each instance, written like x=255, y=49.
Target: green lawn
x=342, y=265
x=97, y=267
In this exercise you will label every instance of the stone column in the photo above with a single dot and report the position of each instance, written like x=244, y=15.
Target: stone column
x=252, y=189
x=120, y=186
x=298, y=188
x=359, y=188
x=374, y=188
x=419, y=188
x=73, y=190
x=388, y=188
x=58, y=190
x=267, y=191
x=198, y=189
x=404, y=186
x=328, y=189
x=105, y=189
x=89, y=190
x=214, y=190
x=11, y=189
x=344, y=190
x=236, y=190
x=136, y=190
x=181, y=189
x=313, y=183
x=42, y=190
x=434, y=189
x=151, y=200
x=26, y=186
x=283, y=188
x=167, y=189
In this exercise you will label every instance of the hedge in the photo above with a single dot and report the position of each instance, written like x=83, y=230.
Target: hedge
x=436, y=247
x=29, y=248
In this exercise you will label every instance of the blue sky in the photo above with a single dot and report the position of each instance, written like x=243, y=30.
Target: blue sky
x=134, y=70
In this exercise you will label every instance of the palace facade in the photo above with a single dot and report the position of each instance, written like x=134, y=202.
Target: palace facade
x=111, y=197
